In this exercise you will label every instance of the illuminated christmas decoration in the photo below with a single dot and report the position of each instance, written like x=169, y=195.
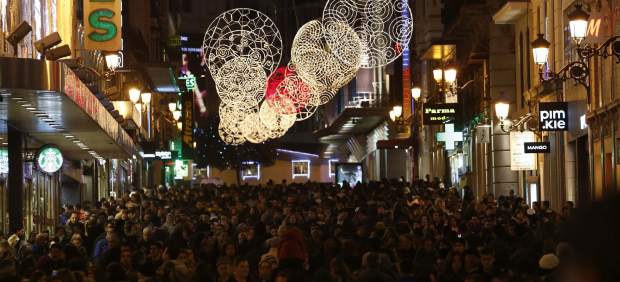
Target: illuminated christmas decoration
x=241, y=82
x=230, y=135
x=231, y=119
x=275, y=78
x=384, y=27
x=316, y=62
x=242, y=33
x=278, y=124
x=253, y=129
x=292, y=90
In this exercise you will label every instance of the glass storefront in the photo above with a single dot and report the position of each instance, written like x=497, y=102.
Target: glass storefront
x=41, y=200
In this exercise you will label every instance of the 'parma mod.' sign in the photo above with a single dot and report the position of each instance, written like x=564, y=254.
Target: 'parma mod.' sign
x=102, y=21
x=553, y=116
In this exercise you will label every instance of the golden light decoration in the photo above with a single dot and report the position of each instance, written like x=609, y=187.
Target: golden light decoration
x=385, y=27
x=253, y=129
x=241, y=83
x=242, y=33
x=278, y=124
x=231, y=120
x=229, y=135
x=316, y=62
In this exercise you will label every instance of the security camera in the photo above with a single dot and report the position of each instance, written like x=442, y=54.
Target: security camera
x=47, y=42
x=57, y=53
x=19, y=33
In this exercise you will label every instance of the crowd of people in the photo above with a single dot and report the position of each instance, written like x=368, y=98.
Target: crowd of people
x=378, y=231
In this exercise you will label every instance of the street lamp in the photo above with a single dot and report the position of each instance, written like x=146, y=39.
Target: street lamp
x=578, y=23
x=146, y=97
x=113, y=60
x=172, y=106
x=393, y=115
x=416, y=93
x=176, y=115
x=540, y=48
x=438, y=75
x=501, y=110
x=398, y=110
x=134, y=95
x=450, y=75
x=578, y=70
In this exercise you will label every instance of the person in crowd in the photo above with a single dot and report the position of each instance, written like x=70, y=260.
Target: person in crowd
x=376, y=231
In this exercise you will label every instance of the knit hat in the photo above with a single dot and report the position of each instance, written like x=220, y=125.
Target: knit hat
x=549, y=262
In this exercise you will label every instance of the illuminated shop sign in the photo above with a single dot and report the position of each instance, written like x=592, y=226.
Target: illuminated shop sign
x=102, y=25
x=450, y=137
x=439, y=113
x=49, y=159
x=553, y=116
x=181, y=169
x=537, y=147
x=163, y=155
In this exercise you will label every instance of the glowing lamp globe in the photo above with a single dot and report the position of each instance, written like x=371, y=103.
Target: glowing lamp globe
x=578, y=23
x=501, y=110
x=134, y=95
x=416, y=93
x=540, y=48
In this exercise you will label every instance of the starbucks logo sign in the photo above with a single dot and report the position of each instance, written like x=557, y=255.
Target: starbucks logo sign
x=49, y=159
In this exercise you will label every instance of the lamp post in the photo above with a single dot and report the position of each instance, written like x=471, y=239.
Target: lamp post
x=502, y=110
x=134, y=95
x=446, y=79
x=146, y=100
x=113, y=60
x=172, y=106
x=416, y=93
x=577, y=70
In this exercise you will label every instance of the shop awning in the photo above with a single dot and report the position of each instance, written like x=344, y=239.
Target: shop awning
x=49, y=103
x=351, y=122
x=162, y=79
x=402, y=143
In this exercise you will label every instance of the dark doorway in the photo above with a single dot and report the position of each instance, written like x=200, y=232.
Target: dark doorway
x=582, y=155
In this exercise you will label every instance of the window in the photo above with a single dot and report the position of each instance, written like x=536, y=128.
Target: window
x=301, y=168
x=250, y=170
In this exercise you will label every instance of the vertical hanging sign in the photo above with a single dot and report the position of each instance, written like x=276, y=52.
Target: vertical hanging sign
x=102, y=21
x=407, y=106
x=187, y=140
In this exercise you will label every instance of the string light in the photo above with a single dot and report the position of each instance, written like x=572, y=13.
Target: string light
x=384, y=27
x=315, y=61
x=242, y=33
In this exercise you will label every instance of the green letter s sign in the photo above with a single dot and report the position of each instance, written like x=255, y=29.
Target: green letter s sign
x=94, y=19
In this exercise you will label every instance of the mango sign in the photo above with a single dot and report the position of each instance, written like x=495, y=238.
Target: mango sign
x=102, y=20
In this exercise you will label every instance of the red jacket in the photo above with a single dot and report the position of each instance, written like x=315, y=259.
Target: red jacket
x=292, y=245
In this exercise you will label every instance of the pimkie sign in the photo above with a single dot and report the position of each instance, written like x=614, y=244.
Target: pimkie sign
x=439, y=113
x=553, y=116
x=102, y=20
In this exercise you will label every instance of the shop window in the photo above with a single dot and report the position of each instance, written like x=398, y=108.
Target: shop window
x=250, y=170
x=300, y=168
